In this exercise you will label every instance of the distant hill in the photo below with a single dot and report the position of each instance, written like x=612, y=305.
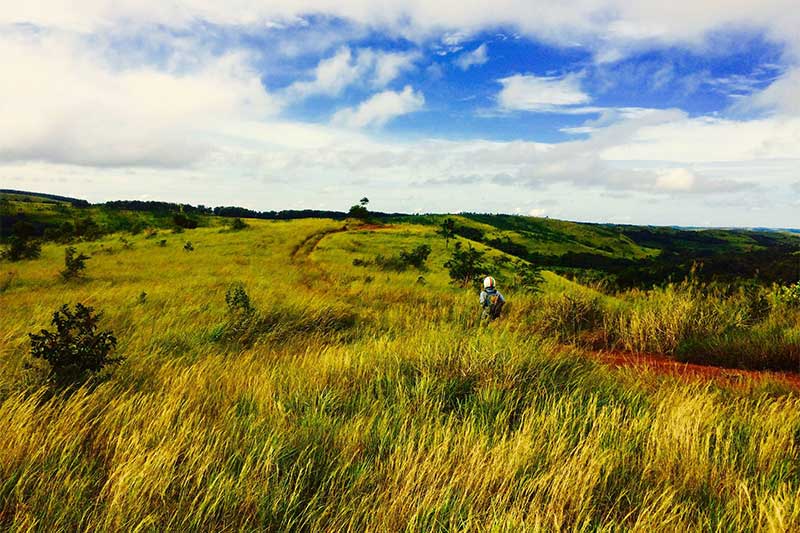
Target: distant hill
x=621, y=255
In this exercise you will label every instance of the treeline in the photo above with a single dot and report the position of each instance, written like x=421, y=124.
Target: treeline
x=703, y=255
x=76, y=202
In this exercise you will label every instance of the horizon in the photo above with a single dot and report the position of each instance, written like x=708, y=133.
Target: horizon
x=686, y=115
x=432, y=213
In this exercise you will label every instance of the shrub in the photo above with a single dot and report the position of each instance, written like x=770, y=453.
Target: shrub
x=187, y=247
x=74, y=265
x=237, y=224
x=528, y=277
x=417, y=256
x=20, y=248
x=87, y=228
x=237, y=299
x=182, y=221
x=162, y=243
x=77, y=349
x=243, y=322
x=790, y=295
x=465, y=265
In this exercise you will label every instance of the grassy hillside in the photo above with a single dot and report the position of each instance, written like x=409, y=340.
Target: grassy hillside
x=619, y=256
x=360, y=398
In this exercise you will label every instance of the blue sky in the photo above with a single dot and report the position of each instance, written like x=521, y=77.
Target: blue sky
x=687, y=113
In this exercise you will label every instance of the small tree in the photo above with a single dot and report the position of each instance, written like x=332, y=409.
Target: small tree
x=76, y=350
x=20, y=248
x=417, y=256
x=447, y=231
x=74, y=265
x=21, y=244
x=528, y=277
x=237, y=299
x=360, y=211
x=465, y=265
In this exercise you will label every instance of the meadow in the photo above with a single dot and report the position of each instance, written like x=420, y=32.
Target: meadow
x=365, y=399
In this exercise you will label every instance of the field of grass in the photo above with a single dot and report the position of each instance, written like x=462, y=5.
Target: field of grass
x=367, y=399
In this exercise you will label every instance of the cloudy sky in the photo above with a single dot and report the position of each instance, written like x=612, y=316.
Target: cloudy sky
x=681, y=112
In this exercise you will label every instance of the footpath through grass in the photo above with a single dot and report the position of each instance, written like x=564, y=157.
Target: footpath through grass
x=364, y=399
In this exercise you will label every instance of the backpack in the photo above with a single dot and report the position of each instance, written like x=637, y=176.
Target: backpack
x=496, y=305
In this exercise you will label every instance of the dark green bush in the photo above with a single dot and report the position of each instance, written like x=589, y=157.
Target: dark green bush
x=20, y=248
x=466, y=265
x=528, y=277
x=182, y=221
x=74, y=265
x=417, y=256
x=77, y=350
x=237, y=299
x=237, y=224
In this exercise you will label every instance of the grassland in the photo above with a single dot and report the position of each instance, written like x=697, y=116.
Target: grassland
x=373, y=400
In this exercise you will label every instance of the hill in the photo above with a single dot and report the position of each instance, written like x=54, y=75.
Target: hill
x=621, y=256
x=336, y=391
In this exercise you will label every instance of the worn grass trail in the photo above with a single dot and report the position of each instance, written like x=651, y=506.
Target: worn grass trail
x=412, y=418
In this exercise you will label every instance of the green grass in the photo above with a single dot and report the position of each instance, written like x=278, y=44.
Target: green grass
x=368, y=401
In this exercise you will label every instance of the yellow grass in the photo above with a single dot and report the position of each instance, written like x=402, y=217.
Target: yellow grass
x=413, y=418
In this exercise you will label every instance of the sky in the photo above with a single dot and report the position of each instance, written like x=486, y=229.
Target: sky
x=684, y=112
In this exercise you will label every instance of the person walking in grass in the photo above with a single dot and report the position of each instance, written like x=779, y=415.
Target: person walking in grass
x=491, y=300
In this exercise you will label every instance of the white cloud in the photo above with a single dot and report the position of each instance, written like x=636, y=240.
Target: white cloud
x=479, y=56
x=522, y=92
x=380, y=108
x=67, y=105
x=782, y=96
x=675, y=180
x=388, y=66
x=611, y=27
x=331, y=76
x=334, y=74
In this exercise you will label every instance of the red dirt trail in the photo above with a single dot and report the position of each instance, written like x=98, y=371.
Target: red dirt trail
x=663, y=365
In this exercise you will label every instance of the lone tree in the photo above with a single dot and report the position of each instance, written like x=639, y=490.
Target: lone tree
x=465, y=265
x=76, y=350
x=360, y=211
x=74, y=265
x=20, y=244
x=528, y=276
x=448, y=231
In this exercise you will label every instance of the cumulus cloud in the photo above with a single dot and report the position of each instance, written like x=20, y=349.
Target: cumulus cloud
x=611, y=27
x=380, y=108
x=526, y=92
x=67, y=105
x=334, y=74
x=781, y=96
x=477, y=57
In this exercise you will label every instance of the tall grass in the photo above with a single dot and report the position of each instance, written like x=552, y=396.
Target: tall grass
x=714, y=325
x=381, y=406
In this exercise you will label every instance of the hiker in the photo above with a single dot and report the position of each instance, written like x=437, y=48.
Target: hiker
x=491, y=299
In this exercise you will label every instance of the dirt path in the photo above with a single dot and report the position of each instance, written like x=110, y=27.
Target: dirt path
x=310, y=243
x=664, y=365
